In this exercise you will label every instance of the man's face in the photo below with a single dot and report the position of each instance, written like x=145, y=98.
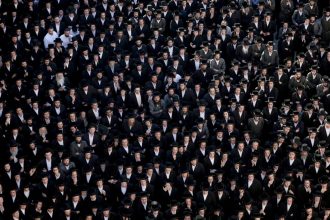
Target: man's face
x=295, y=118
x=270, y=48
x=291, y=155
x=144, y=200
x=48, y=155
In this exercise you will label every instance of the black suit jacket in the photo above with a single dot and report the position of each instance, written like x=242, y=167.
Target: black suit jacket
x=209, y=202
x=291, y=214
x=61, y=28
x=187, y=99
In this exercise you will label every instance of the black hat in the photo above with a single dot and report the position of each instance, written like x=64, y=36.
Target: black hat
x=300, y=87
x=322, y=112
x=327, y=9
x=205, y=187
x=327, y=119
x=204, y=61
x=302, y=55
x=205, y=44
x=155, y=206
x=304, y=147
x=246, y=41
x=327, y=154
x=234, y=37
x=200, y=121
x=149, y=8
x=201, y=207
x=78, y=134
x=270, y=43
x=257, y=112
x=235, y=62
x=251, y=29
x=264, y=196
x=268, y=13
x=184, y=170
x=92, y=192
x=300, y=4
x=58, y=40
x=254, y=92
x=271, y=99
x=323, y=179
x=219, y=187
x=314, y=67
x=309, y=106
x=174, y=203
x=247, y=201
x=259, y=39
x=126, y=212
x=325, y=79
x=289, y=195
x=322, y=143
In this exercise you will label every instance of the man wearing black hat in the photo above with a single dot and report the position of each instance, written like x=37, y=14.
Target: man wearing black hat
x=143, y=205
x=323, y=87
x=203, y=75
x=109, y=120
x=231, y=50
x=256, y=124
x=325, y=24
x=131, y=127
x=313, y=78
x=185, y=94
x=324, y=131
x=158, y=22
x=289, y=208
x=268, y=27
x=206, y=197
x=205, y=52
x=218, y=64
x=78, y=145
x=270, y=57
x=244, y=52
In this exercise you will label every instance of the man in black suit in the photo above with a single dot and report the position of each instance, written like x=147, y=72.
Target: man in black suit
x=58, y=25
x=185, y=94
x=323, y=131
x=240, y=116
x=241, y=153
x=109, y=120
x=45, y=188
x=206, y=197
x=291, y=162
x=139, y=75
x=211, y=97
x=131, y=127
x=92, y=137
x=268, y=28
x=88, y=162
x=86, y=94
x=198, y=92
x=231, y=50
x=143, y=206
x=47, y=164
x=86, y=18
x=204, y=75
x=196, y=169
x=253, y=185
x=289, y=208
x=174, y=136
x=136, y=99
x=18, y=92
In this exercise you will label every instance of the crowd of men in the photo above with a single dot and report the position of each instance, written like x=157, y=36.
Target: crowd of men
x=180, y=109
